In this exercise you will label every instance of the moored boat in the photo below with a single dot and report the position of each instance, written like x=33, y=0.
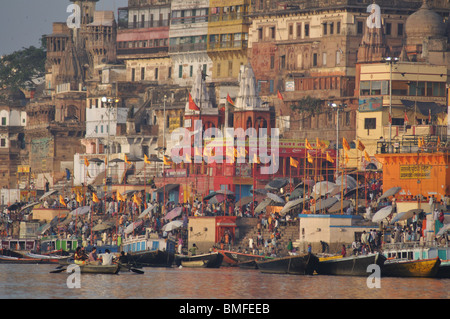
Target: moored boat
x=349, y=266
x=233, y=258
x=22, y=261
x=304, y=264
x=211, y=260
x=149, y=252
x=411, y=268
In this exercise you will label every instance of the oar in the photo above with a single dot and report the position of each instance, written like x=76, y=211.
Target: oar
x=57, y=271
x=137, y=271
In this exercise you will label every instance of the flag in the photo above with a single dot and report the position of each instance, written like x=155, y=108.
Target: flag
x=360, y=146
x=192, y=105
x=256, y=159
x=167, y=160
x=429, y=116
x=310, y=159
x=367, y=157
x=137, y=200
x=419, y=142
x=390, y=119
x=87, y=174
x=95, y=198
x=126, y=159
x=229, y=100
x=120, y=197
x=79, y=198
x=146, y=159
x=345, y=144
x=62, y=201
x=280, y=96
x=307, y=145
x=86, y=162
x=320, y=144
x=346, y=158
x=329, y=159
x=438, y=143
x=406, y=118
x=294, y=162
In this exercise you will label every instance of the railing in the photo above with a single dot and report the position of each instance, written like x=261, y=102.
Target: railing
x=413, y=245
x=414, y=144
x=188, y=47
x=145, y=24
x=142, y=50
x=239, y=44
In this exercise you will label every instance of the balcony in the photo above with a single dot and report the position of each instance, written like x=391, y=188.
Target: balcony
x=228, y=45
x=144, y=24
x=133, y=51
x=433, y=142
x=188, y=47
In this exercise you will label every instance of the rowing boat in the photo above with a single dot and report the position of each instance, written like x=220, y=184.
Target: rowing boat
x=296, y=265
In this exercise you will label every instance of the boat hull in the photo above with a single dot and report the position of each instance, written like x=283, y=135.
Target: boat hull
x=411, y=268
x=21, y=261
x=294, y=265
x=152, y=258
x=233, y=259
x=349, y=266
x=213, y=260
x=99, y=269
x=444, y=269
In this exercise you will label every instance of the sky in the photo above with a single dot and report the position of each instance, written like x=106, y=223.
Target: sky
x=23, y=22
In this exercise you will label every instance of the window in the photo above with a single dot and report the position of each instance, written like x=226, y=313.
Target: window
x=272, y=62
x=3, y=142
x=142, y=74
x=338, y=27
x=388, y=28
x=283, y=62
x=3, y=121
x=260, y=33
x=332, y=28
x=324, y=28
x=291, y=30
x=169, y=75
x=180, y=71
x=306, y=30
x=324, y=59
x=191, y=70
x=338, y=57
x=271, y=86
x=272, y=32
x=359, y=27
x=156, y=73
x=400, y=29
x=218, y=69
x=314, y=59
x=370, y=123
x=299, y=30
x=133, y=75
x=230, y=68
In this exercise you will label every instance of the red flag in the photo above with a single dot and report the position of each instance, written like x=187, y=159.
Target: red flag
x=280, y=96
x=229, y=100
x=406, y=118
x=429, y=116
x=192, y=105
x=390, y=118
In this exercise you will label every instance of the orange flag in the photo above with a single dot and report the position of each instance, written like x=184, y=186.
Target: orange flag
x=361, y=146
x=329, y=159
x=366, y=156
x=280, y=96
x=62, y=201
x=345, y=144
x=86, y=162
x=229, y=100
x=307, y=145
x=310, y=159
x=146, y=159
x=95, y=198
x=192, y=105
x=294, y=162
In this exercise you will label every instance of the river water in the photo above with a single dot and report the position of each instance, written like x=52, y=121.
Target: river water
x=35, y=282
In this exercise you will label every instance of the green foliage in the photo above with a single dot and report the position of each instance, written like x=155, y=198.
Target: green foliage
x=18, y=69
x=309, y=105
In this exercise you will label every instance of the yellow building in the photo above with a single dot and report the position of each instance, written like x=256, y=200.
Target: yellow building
x=227, y=37
x=416, y=104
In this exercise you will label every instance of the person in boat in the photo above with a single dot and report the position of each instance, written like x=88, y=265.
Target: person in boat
x=80, y=256
x=93, y=258
x=193, y=249
x=123, y=259
x=343, y=251
x=107, y=258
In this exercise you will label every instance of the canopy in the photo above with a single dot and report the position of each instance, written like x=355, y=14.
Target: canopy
x=261, y=206
x=292, y=204
x=390, y=192
x=443, y=229
x=53, y=191
x=80, y=211
x=209, y=196
x=405, y=215
x=259, y=191
x=296, y=193
x=337, y=206
x=382, y=214
x=172, y=225
x=325, y=203
x=225, y=192
x=173, y=213
x=117, y=160
x=219, y=198
x=130, y=228
x=276, y=184
x=322, y=188
x=244, y=201
x=28, y=206
x=276, y=198
x=43, y=229
x=347, y=180
x=146, y=211
x=352, y=192
x=425, y=107
x=103, y=226
x=96, y=160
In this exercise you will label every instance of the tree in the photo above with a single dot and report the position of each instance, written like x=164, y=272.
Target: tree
x=309, y=105
x=19, y=69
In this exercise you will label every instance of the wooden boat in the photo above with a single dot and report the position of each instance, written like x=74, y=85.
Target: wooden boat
x=99, y=269
x=349, y=266
x=233, y=258
x=251, y=264
x=444, y=269
x=151, y=258
x=22, y=261
x=411, y=268
x=296, y=265
x=211, y=260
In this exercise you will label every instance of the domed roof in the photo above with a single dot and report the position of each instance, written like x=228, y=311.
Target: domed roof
x=425, y=23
